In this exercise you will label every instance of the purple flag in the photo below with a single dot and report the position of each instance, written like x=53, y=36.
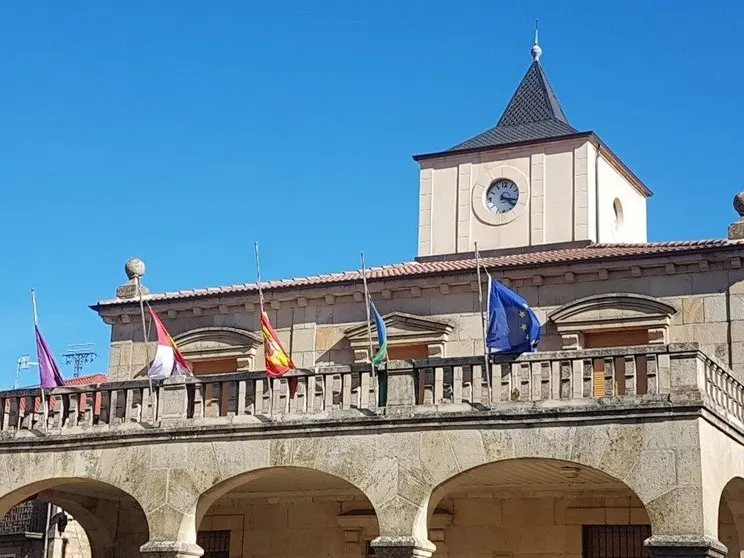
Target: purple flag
x=48, y=368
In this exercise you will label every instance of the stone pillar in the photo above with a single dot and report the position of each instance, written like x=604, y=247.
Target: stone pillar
x=173, y=399
x=170, y=549
x=572, y=341
x=245, y=364
x=685, y=546
x=402, y=547
x=658, y=336
x=435, y=350
x=400, y=390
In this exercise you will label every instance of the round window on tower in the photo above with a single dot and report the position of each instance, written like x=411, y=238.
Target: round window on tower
x=617, y=217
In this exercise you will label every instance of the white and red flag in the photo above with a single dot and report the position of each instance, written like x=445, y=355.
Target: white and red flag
x=168, y=359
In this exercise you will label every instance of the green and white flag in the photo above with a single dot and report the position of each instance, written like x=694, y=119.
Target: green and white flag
x=381, y=354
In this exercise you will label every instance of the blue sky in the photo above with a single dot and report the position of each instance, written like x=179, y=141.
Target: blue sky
x=182, y=131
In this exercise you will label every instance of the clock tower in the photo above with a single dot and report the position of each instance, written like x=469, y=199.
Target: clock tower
x=532, y=180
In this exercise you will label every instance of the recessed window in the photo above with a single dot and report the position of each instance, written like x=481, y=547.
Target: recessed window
x=216, y=544
x=502, y=196
x=617, y=218
x=615, y=541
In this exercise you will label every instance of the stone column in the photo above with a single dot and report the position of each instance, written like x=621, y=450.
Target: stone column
x=402, y=547
x=400, y=390
x=685, y=546
x=170, y=549
x=173, y=399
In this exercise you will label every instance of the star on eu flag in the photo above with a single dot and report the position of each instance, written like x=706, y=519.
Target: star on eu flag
x=522, y=314
x=524, y=327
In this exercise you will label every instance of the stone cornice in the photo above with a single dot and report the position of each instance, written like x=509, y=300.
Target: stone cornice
x=431, y=284
x=513, y=415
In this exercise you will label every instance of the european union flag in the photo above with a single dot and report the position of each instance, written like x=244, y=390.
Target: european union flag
x=512, y=325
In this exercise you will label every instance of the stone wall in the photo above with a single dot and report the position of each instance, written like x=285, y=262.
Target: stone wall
x=74, y=542
x=530, y=527
x=303, y=526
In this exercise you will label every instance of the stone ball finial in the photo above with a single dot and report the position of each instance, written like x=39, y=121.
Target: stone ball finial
x=536, y=51
x=739, y=203
x=134, y=268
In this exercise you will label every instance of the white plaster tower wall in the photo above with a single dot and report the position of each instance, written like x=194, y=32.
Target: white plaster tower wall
x=616, y=191
x=554, y=193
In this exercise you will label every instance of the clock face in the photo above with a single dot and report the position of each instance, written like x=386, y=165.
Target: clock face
x=502, y=196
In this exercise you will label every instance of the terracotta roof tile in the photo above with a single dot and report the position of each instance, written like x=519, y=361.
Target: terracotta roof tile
x=93, y=379
x=588, y=253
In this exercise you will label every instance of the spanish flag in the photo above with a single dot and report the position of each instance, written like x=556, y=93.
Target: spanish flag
x=278, y=362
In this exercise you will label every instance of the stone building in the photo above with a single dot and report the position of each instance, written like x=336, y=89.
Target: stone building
x=621, y=436
x=23, y=529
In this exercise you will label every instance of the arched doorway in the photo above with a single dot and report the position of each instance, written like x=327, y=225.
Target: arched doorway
x=37, y=528
x=536, y=506
x=731, y=517
x=285, y=511
x=99, y=518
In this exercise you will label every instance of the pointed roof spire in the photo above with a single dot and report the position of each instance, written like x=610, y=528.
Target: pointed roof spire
x=533, y=113
x=536, y=50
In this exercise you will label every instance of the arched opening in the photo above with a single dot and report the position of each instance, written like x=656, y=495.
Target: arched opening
x=537, y=506
x=731, y=517
x=618, y=219
x=86, y=518
x=285, y=511
x=24, y=531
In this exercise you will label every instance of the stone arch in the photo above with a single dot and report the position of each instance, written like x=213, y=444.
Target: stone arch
x=531, y=494
x=641, y=457
x=210, y=343
x=337, y=511
x=97, y=506
x=731, y=517
x=612, y=312
x=100, y=538
x=210, y=468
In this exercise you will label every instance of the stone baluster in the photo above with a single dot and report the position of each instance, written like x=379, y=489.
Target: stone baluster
x=346, y=379
x=364, y=390
x=457, y=374
x=631, y=379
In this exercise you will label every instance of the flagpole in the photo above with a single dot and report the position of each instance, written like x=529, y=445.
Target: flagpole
x=41, y=383
x=487, y=368
x=369, y=328
x=145, y=336
x=269, y=380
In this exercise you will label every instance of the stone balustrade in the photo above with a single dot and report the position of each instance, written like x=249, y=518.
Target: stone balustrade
x=443, y=385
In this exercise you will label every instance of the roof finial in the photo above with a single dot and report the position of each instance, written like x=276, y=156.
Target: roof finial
x=536, y=50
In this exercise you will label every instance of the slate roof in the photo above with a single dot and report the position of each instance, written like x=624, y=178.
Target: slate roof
x=588, y=253
x=533, y=113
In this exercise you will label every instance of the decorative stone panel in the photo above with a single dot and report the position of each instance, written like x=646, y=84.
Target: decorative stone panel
x=402, y=329
x=612, y=312
x=208, y=343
